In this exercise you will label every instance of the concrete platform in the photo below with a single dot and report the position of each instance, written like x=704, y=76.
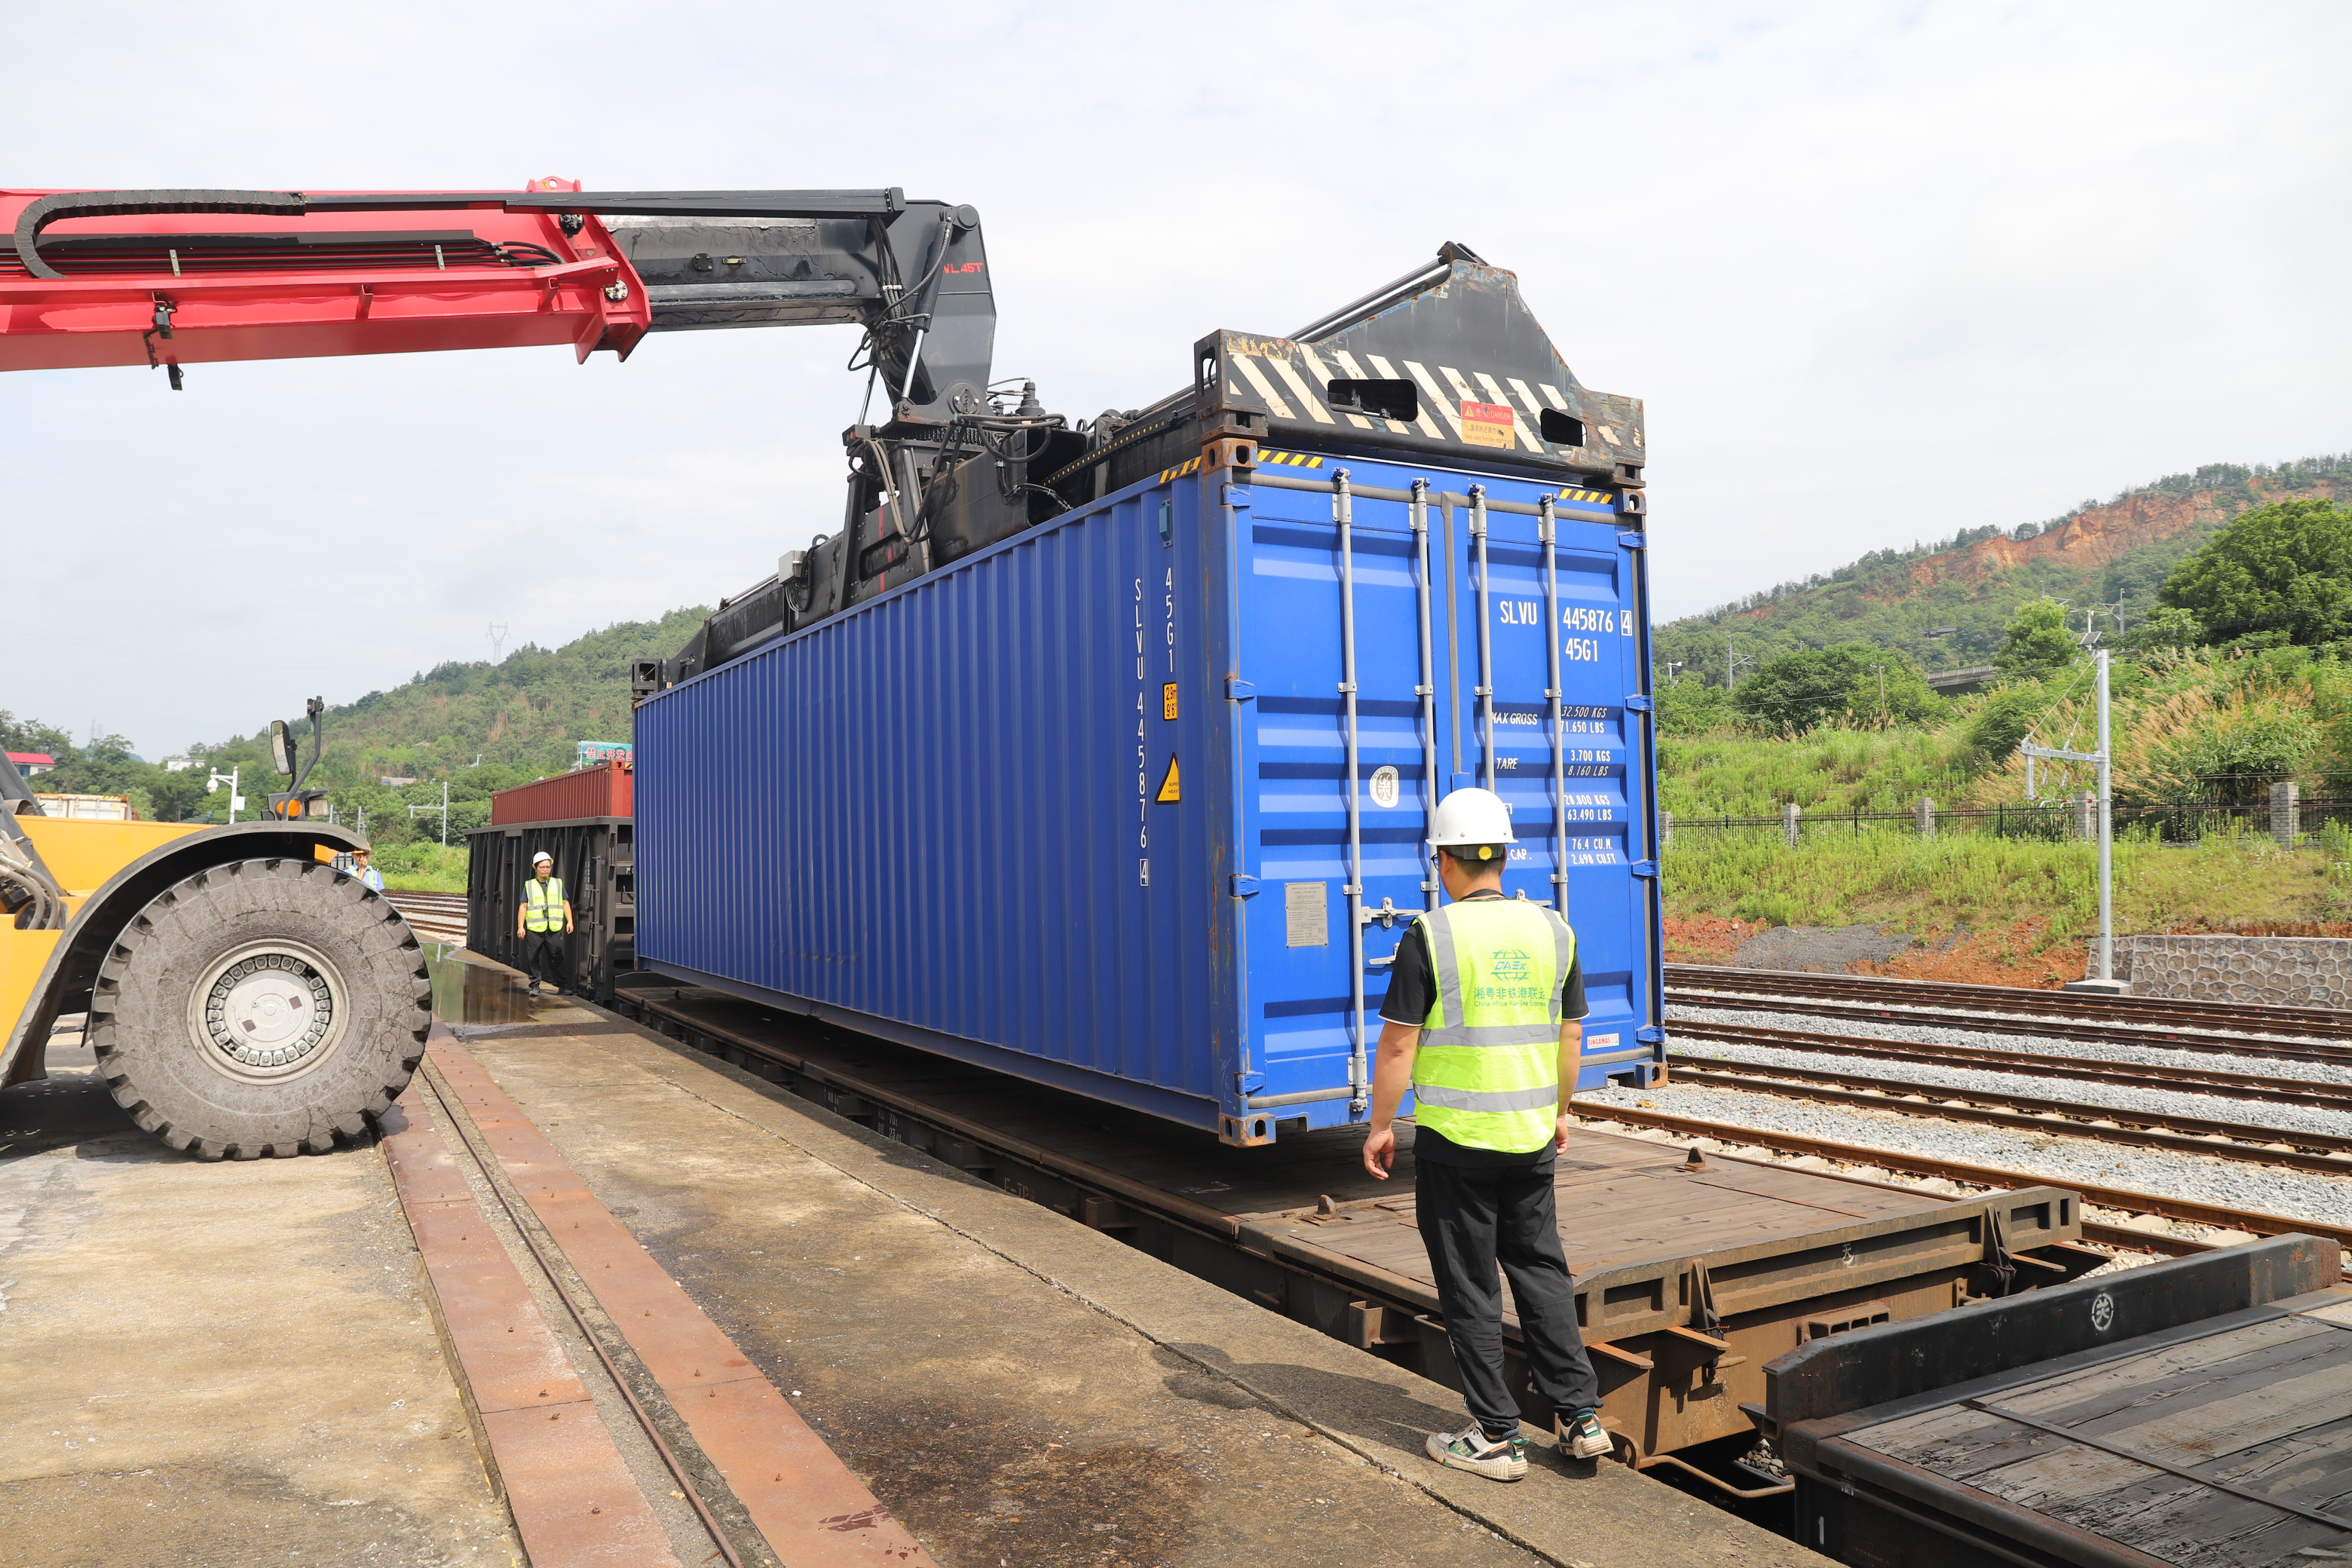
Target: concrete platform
x=1018, y=1388
x=229, y=1364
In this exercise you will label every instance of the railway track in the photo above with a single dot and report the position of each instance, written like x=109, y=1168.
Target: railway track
x=2154, y=1036
x=2322, y=1153
x=2253, y=1086
x=2123, y=1199
x=437, y=917
x=2139, y=1012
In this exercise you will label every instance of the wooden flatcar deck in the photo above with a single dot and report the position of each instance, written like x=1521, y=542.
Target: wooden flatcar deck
x=2219, y=1437
x=2235, y=1448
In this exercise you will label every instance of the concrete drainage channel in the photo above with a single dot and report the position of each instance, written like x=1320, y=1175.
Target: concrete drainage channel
x=674, y=1391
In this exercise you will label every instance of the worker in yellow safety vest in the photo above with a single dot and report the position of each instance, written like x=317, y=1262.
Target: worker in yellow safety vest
x=1480, y=1023
x=542, y=921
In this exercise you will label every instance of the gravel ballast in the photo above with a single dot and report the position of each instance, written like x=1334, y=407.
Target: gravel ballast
x=2251, y=1114
x=1960, y=1034
x=2053, y=1157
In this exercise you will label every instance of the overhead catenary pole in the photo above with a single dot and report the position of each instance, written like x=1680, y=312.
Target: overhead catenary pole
x=2102, y=762
x=2106, y=837
x=228, y=778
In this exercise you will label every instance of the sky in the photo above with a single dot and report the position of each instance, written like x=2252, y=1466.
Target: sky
x=1879, y=273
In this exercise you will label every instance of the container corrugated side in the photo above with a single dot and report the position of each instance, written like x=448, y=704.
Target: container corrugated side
x=1076, y=807
x=605, y=790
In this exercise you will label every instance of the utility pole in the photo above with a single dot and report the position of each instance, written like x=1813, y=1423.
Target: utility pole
x=236, y=800
x=417, y=811
x=1881, y=688
x=498, y=636
x=2102, y=760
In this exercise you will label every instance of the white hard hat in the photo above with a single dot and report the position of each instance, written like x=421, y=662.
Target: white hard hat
x=542, y=855
x=1470, y=816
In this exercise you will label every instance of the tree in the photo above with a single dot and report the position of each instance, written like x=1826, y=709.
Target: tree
x=32, y=735
x=1691, y=707
x=1808, y=686
x=2037, y=642
x=2279, y=576
x=2166, y=627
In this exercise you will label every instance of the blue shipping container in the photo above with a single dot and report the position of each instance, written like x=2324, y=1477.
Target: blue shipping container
x=1082, y=808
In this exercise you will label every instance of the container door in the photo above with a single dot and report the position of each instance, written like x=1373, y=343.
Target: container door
x=1579, y=786
x=1443, y=637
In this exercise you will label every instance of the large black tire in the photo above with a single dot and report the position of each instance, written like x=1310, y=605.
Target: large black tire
x=261, y=1007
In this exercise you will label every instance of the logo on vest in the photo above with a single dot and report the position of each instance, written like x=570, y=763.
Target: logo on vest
x=1508, y=979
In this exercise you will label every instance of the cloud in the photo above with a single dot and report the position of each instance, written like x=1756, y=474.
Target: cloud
x=1879, y=272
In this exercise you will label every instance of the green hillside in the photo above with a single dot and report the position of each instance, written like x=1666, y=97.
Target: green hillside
x=475, y=726
x=2100, y=552
x=529, y=710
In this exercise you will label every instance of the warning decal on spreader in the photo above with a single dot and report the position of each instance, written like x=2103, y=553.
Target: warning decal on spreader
x=1488, y=425
x=1168, y=786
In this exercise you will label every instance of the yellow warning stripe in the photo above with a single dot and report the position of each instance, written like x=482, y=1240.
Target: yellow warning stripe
x=1603, y=496
x=1265, y=455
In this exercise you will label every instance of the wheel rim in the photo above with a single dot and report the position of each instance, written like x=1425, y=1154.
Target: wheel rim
x=270, y=1010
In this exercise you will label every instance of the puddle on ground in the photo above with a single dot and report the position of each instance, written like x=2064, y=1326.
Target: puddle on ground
x=468, y=992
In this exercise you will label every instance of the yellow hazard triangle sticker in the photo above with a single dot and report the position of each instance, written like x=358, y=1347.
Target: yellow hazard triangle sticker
x=1167, y=791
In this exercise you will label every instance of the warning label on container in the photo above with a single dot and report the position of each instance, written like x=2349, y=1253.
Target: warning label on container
x=1488, y=425
x=1168, y=794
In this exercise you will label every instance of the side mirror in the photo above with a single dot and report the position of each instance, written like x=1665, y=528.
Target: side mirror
x=281, y=747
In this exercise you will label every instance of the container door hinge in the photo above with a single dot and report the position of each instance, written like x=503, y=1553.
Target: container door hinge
x=1639, y=702
x=1237, y=496
x=1239, y=690
x=1633, y=540
x=1650, y=1033
x=1643, y=868
x=1249, y=1082
x=1244, y=885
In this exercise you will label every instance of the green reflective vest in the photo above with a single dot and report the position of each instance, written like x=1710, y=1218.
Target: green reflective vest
x=542, y=904
x=1487, y=1074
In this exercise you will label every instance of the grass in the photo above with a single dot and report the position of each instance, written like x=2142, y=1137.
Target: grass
x=1725, y=772
x=422, y=868
x=1981, y=882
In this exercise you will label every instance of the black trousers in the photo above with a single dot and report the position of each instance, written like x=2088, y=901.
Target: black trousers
x=1472, y=1220
x=544, y=958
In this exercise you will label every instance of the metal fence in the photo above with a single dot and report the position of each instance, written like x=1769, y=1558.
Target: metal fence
x=2286, y=817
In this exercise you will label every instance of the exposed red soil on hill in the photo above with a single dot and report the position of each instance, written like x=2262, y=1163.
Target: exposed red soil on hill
x=2084, y=542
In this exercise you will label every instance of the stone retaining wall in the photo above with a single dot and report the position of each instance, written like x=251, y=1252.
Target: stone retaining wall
x=2284, y=971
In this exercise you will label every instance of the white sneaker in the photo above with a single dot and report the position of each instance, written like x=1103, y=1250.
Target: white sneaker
x=1471, y=1449
x=1583, y=1435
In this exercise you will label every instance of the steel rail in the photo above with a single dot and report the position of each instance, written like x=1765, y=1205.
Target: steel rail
x=1985, y=1058
x=2262, y=1018
x=2153, y=1037
x=2322, y=1153
x=444, y=1099
x=2122, y=1198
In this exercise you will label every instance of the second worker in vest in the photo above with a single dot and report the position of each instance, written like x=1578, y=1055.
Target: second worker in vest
x=542, y=921
x=1481, y=1024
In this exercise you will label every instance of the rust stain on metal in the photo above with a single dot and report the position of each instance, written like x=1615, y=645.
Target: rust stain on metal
x=738, y=1417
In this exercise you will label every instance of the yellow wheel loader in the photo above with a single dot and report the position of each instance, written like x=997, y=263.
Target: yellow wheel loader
x=243, y=996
